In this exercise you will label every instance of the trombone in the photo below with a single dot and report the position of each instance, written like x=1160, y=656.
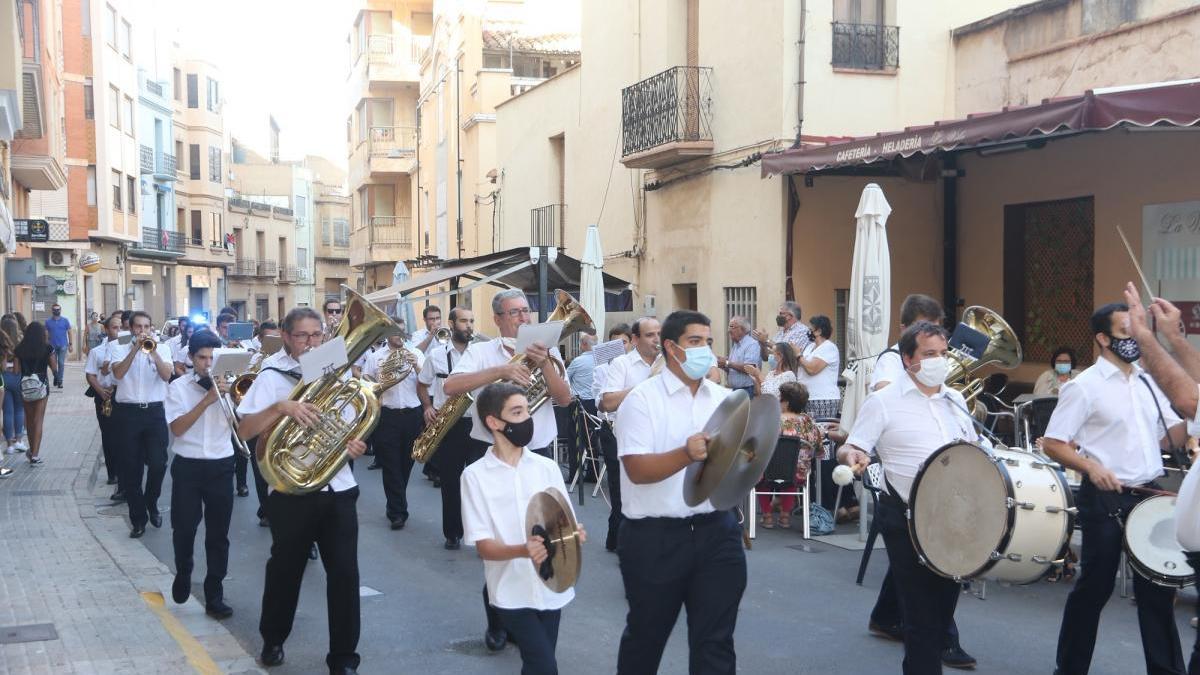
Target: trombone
x=230, y=412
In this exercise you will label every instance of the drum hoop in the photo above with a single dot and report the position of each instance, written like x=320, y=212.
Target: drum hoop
x=1144, y=570
x=998, y=464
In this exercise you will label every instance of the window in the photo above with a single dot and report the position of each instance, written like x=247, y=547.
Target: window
x=114, y=106
x=110, y=25
x=301, y=258
x=197, y=228
x=301, y=208
x=125, y=38
x=325, y=231
x=131, y=191
x=91, y=185
x=177, y=83
x=129, y=115
x=85, y=17
x=214, y=95
x=214, y=164
x=218, y=236
x=89, y=102
x=741, y=301
x=116, y=189
x=194, y=161
x=862, y=36
x=178, y=152
x=193, y=90
x=341, y=232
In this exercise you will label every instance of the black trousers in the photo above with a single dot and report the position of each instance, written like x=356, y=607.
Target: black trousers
x=612, y=473
x=887, y=610
x=260, y=483
x=1098, y=561
x=141, y=438
x=669, y=563
x=927, y=601
x=457, y=450
x=202, y=489
x=330, y=519
x=1194, y=661
x=239, y=468
x=536, y=635
x=111, y=461
x=393, y=439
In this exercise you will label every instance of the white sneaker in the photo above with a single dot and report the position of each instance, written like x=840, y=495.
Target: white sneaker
x=5, y=472
x=10, y=450
x=21, y=445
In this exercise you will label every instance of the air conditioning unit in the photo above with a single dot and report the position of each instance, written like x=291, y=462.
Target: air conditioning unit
x=58, y=259
x=650, y=305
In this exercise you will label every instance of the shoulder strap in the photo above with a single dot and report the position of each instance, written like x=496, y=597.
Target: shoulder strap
x=891, y=350
x=1179, y=454
x=291, y=374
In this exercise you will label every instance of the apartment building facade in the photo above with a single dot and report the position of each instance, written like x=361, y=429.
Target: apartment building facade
x=11, y=85
x=331, y=227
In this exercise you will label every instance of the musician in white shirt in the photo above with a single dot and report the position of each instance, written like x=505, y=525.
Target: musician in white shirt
x=888, y=365
x=201, y=475
x=328, y=516
x=1120, y=420
x=904, y=423
x=457, y=449
x=488, y=362
x=141, y=380
x=672, y=554
x=400, y=422
x=267, y=330
x=424, y=337
x=98, y=373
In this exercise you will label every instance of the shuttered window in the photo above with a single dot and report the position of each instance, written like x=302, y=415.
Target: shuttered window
x=741, y=301
x=31, y=107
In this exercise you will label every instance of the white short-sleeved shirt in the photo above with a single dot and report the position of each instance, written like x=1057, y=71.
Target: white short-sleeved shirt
x=904, y=426
x=271, y=387
x=1187, y=512
x=404, y=394
x=210, y=437
x=419, y=336
x=889, y=367
x=657, y=417
x=96, y=358
x=439, y=363
x=494, y=498
x=599, y=378
x=824, y=385
x=1114, y=420
x=484, y=355
x=1193, y=425
x=625, y=372
x=141, y=383
x=179, y=354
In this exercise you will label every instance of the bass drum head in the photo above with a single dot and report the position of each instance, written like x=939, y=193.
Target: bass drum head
x=958, y=510
x=1151, y=544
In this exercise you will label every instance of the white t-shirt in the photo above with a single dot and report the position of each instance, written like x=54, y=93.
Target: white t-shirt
x=822, y=386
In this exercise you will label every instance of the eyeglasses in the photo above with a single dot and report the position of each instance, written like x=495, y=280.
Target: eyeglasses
x=514, y=313
x=333, y=311
x=305, y=337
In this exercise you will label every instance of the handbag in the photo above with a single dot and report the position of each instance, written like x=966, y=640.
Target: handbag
x=33, y=389
x=820, y=520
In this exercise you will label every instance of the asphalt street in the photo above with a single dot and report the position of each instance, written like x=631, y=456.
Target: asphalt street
x=802, y=612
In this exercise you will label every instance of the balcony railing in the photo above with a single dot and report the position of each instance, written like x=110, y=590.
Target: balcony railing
x=236, y=204
x=390, y=231
x=154, y=87
x=866, y=46
x=154, y=239
x=267, y=268
x=386, y=48
x=670, y=107
x=147, y=159
x=244, y=267
x=260, y=209
x=283, y=211
x=546, y=225
x=289, y=274
x=166, y=165
x=392, y=142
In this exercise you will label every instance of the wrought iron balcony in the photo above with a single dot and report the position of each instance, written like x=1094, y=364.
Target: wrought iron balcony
x=154, y=87
x=240, y=205
x=166, y=166
x=290, y=274
x=267, y=268
x=147, y=159
x=283, y=211
x=390, y=231
x=154, y=239
x=667, y=118
x=392, y=142
x=260, y=209
x=866, y=46
x=244, y=267
x=546, y=225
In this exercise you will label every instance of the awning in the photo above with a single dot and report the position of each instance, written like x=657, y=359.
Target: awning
x=1169, y=104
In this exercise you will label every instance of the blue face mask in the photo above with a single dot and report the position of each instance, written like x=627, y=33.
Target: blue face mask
x=771, y=362
x=699, y=361
x=1062, y=368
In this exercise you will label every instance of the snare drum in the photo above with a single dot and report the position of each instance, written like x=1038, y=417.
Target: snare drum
x=1151, y=546
x=999, y=514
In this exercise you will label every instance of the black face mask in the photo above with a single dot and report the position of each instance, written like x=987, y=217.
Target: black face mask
x=780, y=321
x=518, y=433
x=1126, y=349
x=206, y=382
x=57, y=312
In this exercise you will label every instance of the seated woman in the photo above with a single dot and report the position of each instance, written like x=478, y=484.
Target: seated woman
x=783, y=364
x=1063, y=368
x=793, y=399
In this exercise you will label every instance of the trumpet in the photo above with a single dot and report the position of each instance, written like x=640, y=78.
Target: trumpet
x=147, y=345
x=442, y=335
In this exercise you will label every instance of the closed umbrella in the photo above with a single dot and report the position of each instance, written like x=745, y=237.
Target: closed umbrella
x=591, y=278
x=404, y=308
x=870, y=312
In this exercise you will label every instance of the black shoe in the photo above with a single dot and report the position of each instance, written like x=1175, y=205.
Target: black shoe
x=117, y=496
x=437, y=482
x=272, y=655
x=495, y=639
x=112, y=480
x=155, y=518
x=181, y=588
x=453, y=544
x=887, y=632
x=374, y=465
x=217, y=609
x=313, y=552
x=955, y=657
x=243, y=491
x=263, y=522
x=137, y=532
x=398, y=523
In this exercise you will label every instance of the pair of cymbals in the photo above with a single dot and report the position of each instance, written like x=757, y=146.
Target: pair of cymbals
x=742, y=437
x=549, y=516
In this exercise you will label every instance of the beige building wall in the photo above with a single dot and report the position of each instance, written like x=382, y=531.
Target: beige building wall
x=263, y=239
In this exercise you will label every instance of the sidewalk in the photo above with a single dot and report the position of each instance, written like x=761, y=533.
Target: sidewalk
x=77, y=595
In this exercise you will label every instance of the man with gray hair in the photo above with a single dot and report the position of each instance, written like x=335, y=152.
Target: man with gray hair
x=791, y=330
x=744, y=351
x=580, y=375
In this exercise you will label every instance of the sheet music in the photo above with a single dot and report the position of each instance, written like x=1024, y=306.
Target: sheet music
x=329, y=356
x=546, y=333
x=605, y=352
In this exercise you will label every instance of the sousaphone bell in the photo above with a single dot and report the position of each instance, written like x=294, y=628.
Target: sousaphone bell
x=742, y=437
x=550, y=517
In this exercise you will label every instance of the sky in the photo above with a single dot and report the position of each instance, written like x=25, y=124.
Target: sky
x=285, y=58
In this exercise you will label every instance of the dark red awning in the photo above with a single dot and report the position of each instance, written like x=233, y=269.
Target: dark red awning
x=1167, y=104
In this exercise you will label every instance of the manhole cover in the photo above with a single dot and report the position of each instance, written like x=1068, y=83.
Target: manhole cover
x=32, y=632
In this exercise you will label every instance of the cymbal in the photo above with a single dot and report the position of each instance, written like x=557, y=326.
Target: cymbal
x=548, y=510
x=744, y=434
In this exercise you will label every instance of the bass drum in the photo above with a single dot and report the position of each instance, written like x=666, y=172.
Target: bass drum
x=1150, y=543
x=999, y=514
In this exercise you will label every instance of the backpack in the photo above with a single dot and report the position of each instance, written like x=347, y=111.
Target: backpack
x=33, y=389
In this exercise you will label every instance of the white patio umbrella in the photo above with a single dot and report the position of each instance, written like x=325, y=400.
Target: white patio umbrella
x=404, y=308
x=591, y=278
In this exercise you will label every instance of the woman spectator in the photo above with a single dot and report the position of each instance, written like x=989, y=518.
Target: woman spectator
x=1063, y=368
x=782, y=364
x=95, y=332
x=35, y=356
x=793, y=399
x=21, y=322
x=819, y=368
x=14, y=411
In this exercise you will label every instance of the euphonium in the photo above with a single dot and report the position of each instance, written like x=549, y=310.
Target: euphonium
x=1003, y=351
x=574, y=319
x=296, y=460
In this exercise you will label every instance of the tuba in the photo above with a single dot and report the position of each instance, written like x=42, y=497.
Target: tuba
x=1003, y=351
x=574, y=319
x=296, y=460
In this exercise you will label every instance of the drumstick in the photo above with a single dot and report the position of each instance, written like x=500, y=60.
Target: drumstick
x=1136, y=266
x=1154, y=491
